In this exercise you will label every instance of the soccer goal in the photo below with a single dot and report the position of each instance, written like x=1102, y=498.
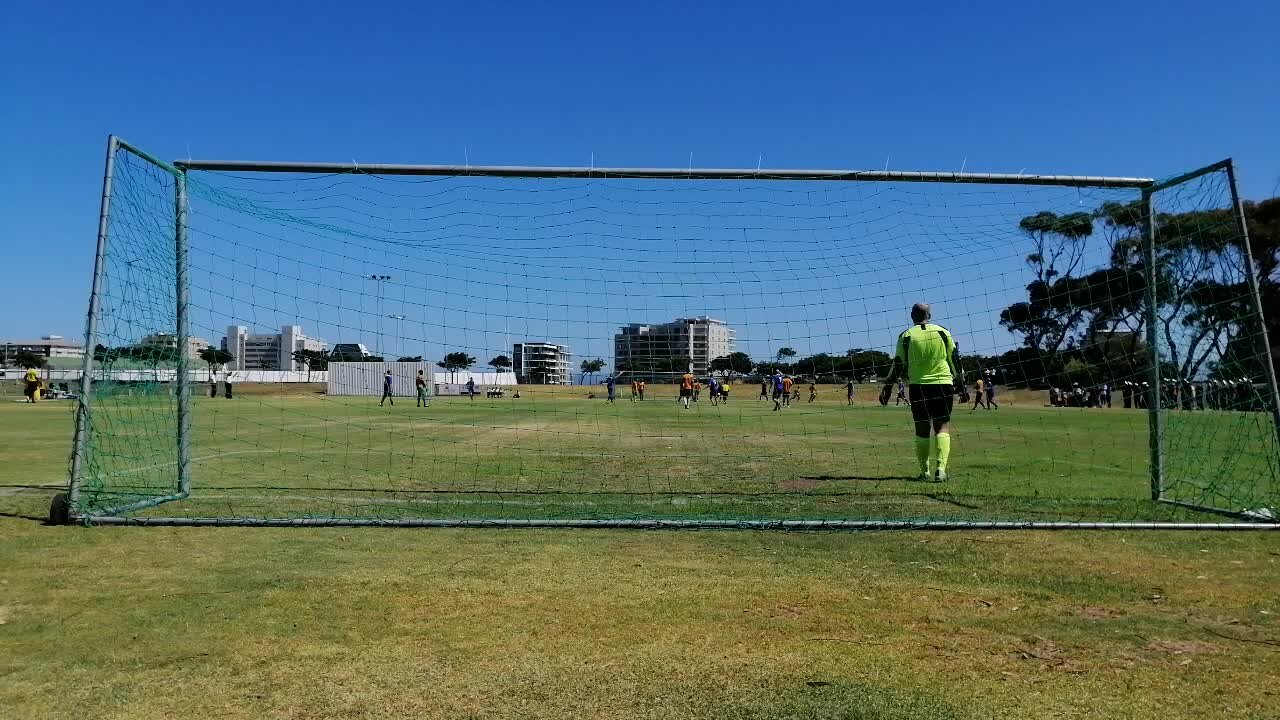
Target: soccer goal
x=274, y=343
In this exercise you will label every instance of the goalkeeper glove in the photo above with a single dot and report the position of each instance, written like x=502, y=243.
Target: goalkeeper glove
x=885, y=392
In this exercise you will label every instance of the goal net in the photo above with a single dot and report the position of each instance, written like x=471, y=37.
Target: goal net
x=296, y=344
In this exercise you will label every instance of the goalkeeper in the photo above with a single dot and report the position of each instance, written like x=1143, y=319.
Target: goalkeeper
x=926, y=355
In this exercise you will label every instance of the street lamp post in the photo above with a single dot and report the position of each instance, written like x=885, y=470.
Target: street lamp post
x=380, y=280
x=399, y=332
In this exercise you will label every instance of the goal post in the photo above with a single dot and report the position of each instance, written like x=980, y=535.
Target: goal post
x=1210, y=348
x=307, y=344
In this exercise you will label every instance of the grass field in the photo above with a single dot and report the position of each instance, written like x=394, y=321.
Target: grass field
x=120, y=622
x=555, y=453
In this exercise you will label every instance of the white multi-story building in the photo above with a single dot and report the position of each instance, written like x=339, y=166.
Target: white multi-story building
x=268, y=352
x=541, y=363
x=686, y=344
x=194, y=344
x=47, y=346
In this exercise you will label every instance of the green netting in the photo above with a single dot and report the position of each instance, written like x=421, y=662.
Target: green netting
x=1217, y=407
x=131, y=458
x=1043, y=288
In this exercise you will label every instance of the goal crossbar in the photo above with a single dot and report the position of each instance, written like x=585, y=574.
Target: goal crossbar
x=639, y=173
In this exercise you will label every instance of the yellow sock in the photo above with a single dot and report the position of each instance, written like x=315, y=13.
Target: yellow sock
x=922, y=454
x=944, y=450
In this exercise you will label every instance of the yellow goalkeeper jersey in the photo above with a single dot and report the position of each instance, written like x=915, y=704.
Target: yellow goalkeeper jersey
x=928, y=352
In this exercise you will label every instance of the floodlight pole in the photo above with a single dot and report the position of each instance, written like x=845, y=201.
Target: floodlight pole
x=1255, y=294
x=1155, y=420
x=182, y=294
x=79, y=457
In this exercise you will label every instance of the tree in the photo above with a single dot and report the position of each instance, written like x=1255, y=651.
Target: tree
x=105, y=355
x=820, y=364
x=867, y=363
x=152, y=356
x=410, y=358
x=455, y=361
x=591, y=367
x=28, y=359
x=215, y=358
x=1094, y=325
x=677, y=365
x=312, y=360
x=1048, y=318
x=1242, y=354
x=785, y=352
x=733, y=363
x=501, y=363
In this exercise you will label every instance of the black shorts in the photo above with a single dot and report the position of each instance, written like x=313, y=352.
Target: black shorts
x=931, y=403
x=686, y=392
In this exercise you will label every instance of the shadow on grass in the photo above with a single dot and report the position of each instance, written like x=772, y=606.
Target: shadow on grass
x=26, y=502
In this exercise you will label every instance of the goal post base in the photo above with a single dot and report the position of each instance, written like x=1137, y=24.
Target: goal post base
x=60, y=510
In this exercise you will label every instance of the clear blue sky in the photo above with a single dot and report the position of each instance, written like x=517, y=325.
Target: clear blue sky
x=1134, y=88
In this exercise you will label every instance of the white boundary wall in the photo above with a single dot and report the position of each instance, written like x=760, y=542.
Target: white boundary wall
x=365, y=378
x=168, y=375
x=456, y=383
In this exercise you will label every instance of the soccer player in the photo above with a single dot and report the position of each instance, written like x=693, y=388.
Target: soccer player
x=990, y=386
x=724, y=394
x=926, y=355
x=611, y=383
x=778, y=390
x=635, y=390
x=713, y=389
x=979, y=393
x=902, y=394
x=813, y=392
x=386, y=390
x=421, y=383
x=697, y=389
x=848, y=392
x=686, y=389
x=764, y=388
x=787, y=382
x=471, y=388
x=642, y=391
x=31, y=384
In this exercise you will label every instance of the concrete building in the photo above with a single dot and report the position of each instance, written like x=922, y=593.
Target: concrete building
x=685, y=344
x=48, y=346
x=350, y=352
x=194, y=344
x=541, y=363
x=267, y=352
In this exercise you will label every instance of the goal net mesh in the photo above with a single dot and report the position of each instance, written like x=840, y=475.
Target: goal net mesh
x=312, y=289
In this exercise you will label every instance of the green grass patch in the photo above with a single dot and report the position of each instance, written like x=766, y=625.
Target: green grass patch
x=561, y=455
x=379, y=623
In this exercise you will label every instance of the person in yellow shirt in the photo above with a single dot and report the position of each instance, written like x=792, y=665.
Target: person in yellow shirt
x=926, y=355
x=31, y=385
